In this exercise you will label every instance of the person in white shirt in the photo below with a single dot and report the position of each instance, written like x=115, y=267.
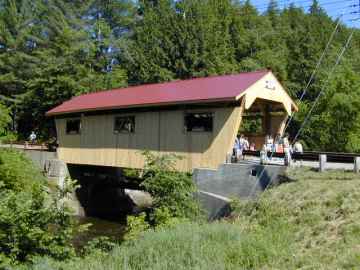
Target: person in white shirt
x=32, y=137
x=298, y=148
x=287, y=149
x=246, y=144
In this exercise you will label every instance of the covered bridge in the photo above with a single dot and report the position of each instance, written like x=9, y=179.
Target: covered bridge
x=197, y=119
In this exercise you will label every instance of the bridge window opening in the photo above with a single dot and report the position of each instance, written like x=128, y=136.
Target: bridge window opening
x=124, y=124
x=199, y=122
x=73, y=126
x=264, y=119
x=252, y=123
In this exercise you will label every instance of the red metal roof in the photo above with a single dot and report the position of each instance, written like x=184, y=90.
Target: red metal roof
x=208, y=89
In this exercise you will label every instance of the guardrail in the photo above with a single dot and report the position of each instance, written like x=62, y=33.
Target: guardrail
x=311, y=156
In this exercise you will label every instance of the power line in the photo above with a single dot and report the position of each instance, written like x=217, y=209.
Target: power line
x=310, y=81
x=340, y=55
x=307, y=118
x=306, y=4
x=316, y=69
x=307, y=7
x=282, y=3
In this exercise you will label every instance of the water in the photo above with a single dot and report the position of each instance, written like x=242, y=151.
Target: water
x=100, y=227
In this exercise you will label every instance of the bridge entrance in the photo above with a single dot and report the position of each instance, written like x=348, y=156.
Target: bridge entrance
x=263, y=118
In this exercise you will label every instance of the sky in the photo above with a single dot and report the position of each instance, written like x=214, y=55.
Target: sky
x=333, y=7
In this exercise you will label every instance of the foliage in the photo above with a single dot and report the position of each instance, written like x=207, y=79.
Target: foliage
x=173, y=194
x=17, y=172
x=336, y=115
x=29, y=227
x=33, y=222
x=164, y=219
x=131, y=173
x=160, y=219
x=251, y=125
x=4, y=119
x=309, y=223
x=51, y=51
x=102, y=244
x=170, y=189
x=136, y=226
x=219, y=245
x=48, y=55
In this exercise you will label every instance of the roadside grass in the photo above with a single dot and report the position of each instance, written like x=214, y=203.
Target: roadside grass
x=307, y=173
x=308, y=223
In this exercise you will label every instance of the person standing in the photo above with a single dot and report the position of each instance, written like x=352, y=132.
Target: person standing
x=239, y=147
x=32, y=137
x=236, y=148
x=287, y=149
x=298, y=148
x=246, y=144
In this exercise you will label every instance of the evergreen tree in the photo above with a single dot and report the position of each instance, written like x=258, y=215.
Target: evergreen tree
x=273, y=12
x=52, y=50
x=315, y=9
x=4, y=119
x=19, y=36
x=64, y=68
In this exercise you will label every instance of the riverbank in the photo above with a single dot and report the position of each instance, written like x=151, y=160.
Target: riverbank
x=312, y=222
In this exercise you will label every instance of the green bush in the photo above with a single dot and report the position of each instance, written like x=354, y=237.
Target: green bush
x=311, y=223
x=170, y=189
x=136, y=226
x=29, y=228
x=102, y=244
x=173, y=194
x=17, y=172
x=33, y=221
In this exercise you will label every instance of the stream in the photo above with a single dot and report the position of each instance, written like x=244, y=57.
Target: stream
x=99, y=227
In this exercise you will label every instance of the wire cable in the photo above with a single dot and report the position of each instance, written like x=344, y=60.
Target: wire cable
x=340, y=56
x=304, y=4
x=316, y=69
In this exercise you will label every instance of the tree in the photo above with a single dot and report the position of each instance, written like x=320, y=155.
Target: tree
x=334, y=121
x=181, y=40
x=63, y=66
x=4, y=119
x=273, y=12
x=53, y=50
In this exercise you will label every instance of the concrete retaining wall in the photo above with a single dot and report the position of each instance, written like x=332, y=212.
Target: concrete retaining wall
x=241, y=180
x=40, y=157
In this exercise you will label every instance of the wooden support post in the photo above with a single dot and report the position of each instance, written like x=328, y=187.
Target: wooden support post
x=322, y=163
x=356, y=164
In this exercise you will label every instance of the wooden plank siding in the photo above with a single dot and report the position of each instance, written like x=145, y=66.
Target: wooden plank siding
x=162, y=132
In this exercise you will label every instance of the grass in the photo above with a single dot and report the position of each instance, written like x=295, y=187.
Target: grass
x=312, y=222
